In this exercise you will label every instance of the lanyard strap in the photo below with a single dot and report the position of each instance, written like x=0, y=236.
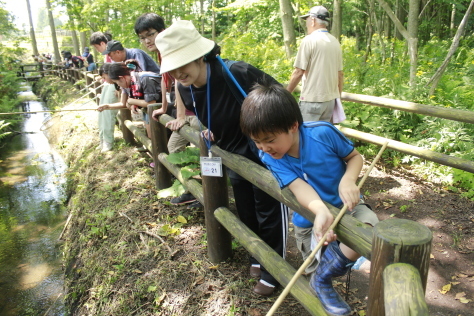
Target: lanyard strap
x=208, y=99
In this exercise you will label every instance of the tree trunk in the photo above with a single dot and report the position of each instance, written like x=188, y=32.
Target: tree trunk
x=289, y=37
x=213, y=21
x=451, y=25
x=57, y=56
x=32, y=30
x=437, y=76
x=75, y=41
x=400, y=11
x=336, y=29
x=410, y=36
x=83, y=36
x=202, y=17
x=414, y=9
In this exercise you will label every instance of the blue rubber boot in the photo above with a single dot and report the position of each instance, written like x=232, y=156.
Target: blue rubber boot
x=333, y=264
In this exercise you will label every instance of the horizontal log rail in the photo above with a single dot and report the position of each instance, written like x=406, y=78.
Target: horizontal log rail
x=430, y=110
x=455, y=162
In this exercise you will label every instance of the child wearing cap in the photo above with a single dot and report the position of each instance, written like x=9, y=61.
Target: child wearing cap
x=191, y=59
x=318, y=164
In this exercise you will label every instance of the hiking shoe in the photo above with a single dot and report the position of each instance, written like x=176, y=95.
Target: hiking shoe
x=185, y=198
x=106, y=146
x=195, y=204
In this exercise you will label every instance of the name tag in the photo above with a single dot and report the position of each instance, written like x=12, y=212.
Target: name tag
x=211, y=167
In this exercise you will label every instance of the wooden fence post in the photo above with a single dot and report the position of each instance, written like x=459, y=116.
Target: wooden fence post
x=403, y=291
x=396, y=240
x=125, y=115
x=219, y=242
x=159, y=144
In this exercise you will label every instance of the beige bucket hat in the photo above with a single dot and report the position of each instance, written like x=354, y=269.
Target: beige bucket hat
x=181, y=44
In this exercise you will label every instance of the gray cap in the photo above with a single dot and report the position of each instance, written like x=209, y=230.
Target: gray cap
x=112, y=46
x=319, y=12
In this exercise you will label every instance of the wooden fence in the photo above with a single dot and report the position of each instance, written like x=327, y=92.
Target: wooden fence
x=398, y=249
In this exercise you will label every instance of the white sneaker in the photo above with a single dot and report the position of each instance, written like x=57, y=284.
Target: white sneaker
x=106, y=146
x=100, y=145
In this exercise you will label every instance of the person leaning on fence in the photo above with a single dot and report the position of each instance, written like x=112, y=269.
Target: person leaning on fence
x=118, y=54
x=90, y=59
x=193, y=60
x=141, y=87
x=147, y=27
x=109, y=100
x=318, y=163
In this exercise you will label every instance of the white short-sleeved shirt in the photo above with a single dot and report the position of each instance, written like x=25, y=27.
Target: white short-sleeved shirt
x=320, y=56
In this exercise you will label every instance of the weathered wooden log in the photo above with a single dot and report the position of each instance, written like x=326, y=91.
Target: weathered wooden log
x=159, y=142
x=403, y=291
x=190, y=184
x=430, y=110
x=273, y=262
x=458, y=163
x=219, y=241
x=126, y=115
x=396, y=240
x=139, y=134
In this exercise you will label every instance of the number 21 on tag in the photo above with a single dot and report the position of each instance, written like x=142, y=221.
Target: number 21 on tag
x=211, y=167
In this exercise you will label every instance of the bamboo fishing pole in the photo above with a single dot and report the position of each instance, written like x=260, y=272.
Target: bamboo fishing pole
x=322, y=240
x=65, y=110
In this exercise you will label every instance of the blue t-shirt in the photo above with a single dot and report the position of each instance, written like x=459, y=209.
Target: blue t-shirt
x=145, y=61
x=322, y=149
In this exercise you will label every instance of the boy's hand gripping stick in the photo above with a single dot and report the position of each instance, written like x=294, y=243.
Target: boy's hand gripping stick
x=322, y=240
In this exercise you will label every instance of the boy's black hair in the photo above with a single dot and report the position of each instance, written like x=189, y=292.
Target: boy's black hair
x=99, y=37
x=149, y=21
x=269, y=109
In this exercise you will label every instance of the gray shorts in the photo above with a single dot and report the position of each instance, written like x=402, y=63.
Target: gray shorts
x=317, y=111
x=305, y=236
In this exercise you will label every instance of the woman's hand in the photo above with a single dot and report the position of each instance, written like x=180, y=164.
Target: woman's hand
x=207, y=135
x=176, y=124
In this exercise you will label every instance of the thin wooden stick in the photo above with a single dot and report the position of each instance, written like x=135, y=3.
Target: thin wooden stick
x=65, y=110
x=322, y=240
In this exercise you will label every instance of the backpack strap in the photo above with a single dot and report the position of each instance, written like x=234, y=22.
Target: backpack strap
x=230, y=80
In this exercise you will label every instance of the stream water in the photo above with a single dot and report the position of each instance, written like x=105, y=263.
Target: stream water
x=32, y=181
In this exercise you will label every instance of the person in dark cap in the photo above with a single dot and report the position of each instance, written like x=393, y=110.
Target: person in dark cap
x=118, y=53
x=90, y=59
x=319, y=62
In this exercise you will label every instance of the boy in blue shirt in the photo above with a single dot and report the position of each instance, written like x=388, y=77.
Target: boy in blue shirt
x=318, y=164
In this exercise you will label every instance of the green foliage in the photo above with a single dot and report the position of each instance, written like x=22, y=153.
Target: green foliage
x=175, y=190
x=99, y=223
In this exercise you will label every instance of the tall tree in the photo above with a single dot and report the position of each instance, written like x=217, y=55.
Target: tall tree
x=437, y=76
x=411, y=36
x=32, y=30
x=336, y=29
x=57, y=56
x=289, y=37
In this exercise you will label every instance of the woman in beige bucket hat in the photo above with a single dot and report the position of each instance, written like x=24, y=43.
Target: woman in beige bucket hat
x=192, y=60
